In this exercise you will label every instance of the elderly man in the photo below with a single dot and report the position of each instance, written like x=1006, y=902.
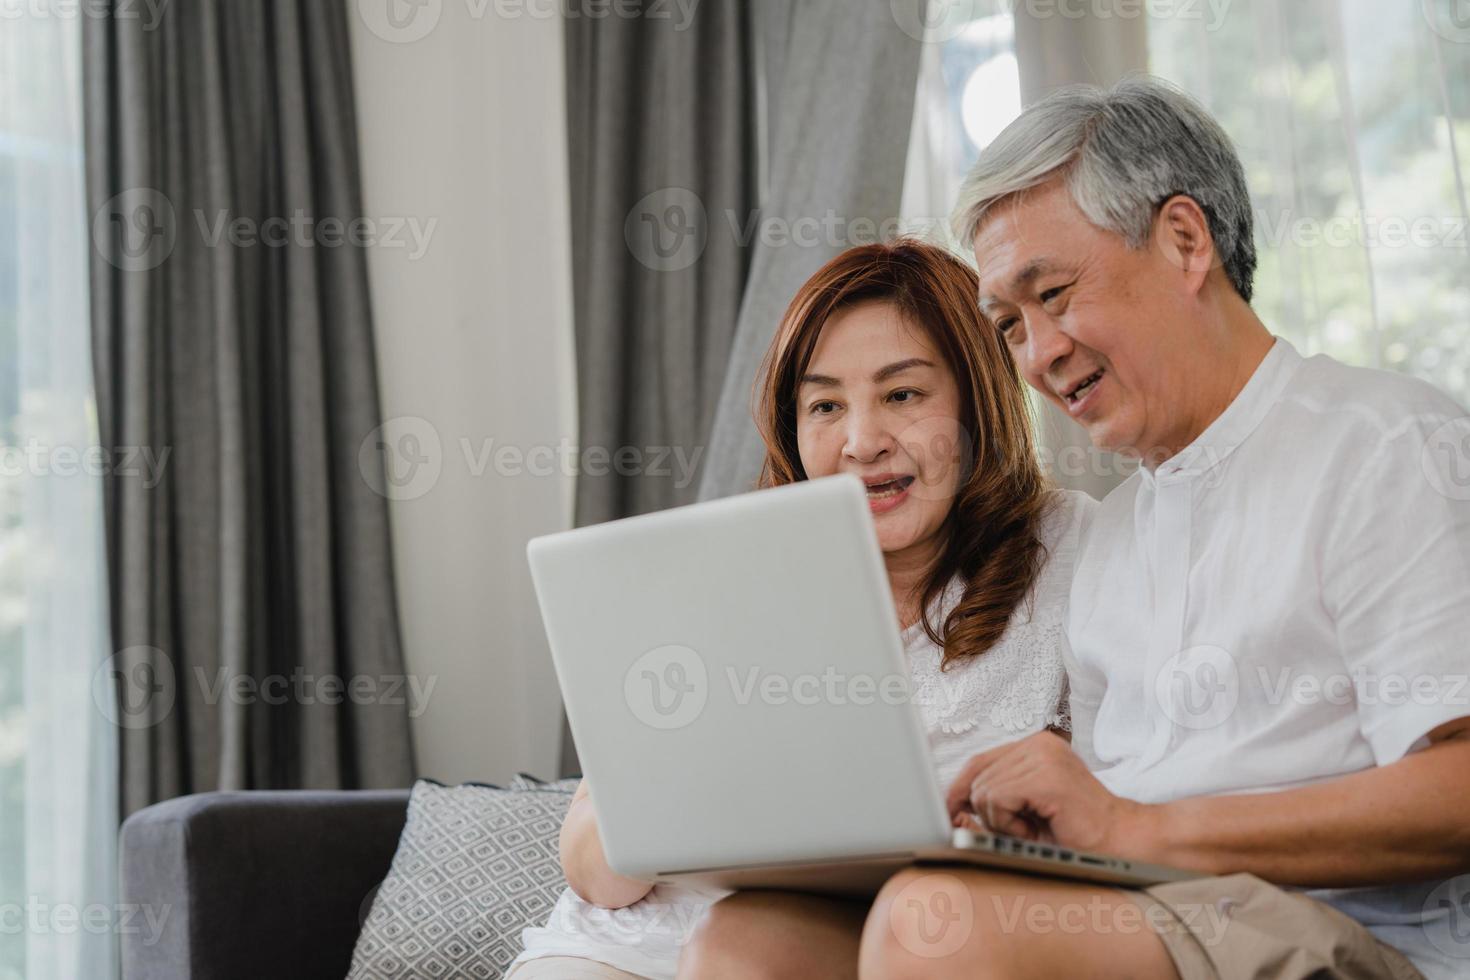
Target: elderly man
x=1270, y=624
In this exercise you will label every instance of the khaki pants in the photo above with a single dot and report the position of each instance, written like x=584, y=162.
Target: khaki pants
x=1240, y=926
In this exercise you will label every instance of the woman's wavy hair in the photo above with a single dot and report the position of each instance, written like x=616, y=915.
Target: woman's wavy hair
x=992, y=532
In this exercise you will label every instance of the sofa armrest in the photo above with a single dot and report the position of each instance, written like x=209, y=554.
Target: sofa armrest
x=254, y=884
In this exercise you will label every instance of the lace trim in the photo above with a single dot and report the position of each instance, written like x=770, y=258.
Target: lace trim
x=1018, y=685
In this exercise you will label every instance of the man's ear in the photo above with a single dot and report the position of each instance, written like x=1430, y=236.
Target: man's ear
x=1182, y=234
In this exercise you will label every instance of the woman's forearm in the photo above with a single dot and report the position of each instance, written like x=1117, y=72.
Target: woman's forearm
x=585, y=865
x=1399, y=822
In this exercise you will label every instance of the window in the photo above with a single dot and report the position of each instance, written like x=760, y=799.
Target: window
x=969, y=90
x=58, y=794
x=1350, y=119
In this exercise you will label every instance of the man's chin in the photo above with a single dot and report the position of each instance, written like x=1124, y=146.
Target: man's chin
x=1106, y=438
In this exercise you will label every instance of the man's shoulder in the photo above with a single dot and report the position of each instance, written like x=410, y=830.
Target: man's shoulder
x=1363, y=403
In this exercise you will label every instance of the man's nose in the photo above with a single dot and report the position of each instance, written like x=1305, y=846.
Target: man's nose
x=1046, y=346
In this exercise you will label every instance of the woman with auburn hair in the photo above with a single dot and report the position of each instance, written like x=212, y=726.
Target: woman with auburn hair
x=882, y=367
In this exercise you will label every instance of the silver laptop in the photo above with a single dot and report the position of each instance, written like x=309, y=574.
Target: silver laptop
x=735, y=681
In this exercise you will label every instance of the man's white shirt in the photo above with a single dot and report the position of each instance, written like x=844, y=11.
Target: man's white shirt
x=1285, y=601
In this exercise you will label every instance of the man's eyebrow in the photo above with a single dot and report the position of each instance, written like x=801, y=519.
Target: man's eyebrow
x=1029, y=273
x=882, y=374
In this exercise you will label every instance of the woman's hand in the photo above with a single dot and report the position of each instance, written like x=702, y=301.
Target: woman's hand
x=1039, y=789
x=585, y=865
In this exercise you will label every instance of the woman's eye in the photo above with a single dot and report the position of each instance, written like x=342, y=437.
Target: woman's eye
x=904, y=395
x=823, y=408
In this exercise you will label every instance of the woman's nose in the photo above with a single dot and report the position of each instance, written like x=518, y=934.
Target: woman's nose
x=867, y=437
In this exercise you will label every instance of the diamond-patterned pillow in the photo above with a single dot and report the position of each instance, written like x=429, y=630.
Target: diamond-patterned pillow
x=475, y=865
x=524, y=780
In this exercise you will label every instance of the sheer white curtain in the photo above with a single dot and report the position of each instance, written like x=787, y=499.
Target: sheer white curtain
x=58, y=786
x=1352, y=118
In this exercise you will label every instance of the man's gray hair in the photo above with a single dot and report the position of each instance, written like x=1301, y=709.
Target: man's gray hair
x=1123, y=151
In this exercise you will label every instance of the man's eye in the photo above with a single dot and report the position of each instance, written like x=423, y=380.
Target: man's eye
x=1005, y=325
x=1052, y=293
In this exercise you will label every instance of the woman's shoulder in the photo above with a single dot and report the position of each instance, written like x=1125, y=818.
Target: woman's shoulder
x=1067, y=517
x=1068, y=514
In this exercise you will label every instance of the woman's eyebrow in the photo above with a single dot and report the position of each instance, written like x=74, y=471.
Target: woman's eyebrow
x=882, y=374
x=898, y=367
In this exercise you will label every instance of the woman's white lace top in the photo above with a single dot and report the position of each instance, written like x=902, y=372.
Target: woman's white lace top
x=1018, y=686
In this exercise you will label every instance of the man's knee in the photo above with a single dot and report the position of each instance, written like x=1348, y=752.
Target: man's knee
x=926, y=923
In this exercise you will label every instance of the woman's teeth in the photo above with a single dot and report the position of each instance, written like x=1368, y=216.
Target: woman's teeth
x=892, y=488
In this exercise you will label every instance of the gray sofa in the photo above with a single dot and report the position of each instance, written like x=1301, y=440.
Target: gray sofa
x=258, y=884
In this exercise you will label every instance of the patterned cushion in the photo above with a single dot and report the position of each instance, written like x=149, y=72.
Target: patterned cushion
x=475, y=865
x=524, y=780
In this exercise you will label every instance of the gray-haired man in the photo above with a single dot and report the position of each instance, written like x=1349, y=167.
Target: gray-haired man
x=1269, y=621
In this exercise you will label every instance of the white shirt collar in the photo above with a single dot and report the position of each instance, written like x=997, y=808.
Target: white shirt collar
x=1235, y=424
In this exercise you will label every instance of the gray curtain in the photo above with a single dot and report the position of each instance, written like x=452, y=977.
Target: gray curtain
x=840, y=85
x=661, y=119
x=255, y=572
x=693, y=147
x=662, y=147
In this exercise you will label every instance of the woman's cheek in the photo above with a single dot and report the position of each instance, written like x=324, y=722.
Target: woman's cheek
x=813, y=446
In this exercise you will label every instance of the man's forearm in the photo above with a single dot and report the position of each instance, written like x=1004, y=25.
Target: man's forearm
x=1400, y=822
